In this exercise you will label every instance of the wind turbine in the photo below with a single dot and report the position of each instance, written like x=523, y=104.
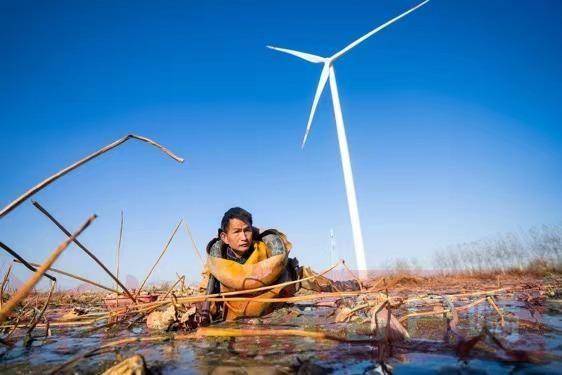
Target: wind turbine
x=328, y=72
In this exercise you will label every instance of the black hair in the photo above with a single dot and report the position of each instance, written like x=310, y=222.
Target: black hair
x=235, y=213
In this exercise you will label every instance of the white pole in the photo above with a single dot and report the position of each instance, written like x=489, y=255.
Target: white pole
x=332, y=247
x=348, y=178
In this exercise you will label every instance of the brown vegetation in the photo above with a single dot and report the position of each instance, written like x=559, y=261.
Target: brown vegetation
x=537, y=251
x=386, y=305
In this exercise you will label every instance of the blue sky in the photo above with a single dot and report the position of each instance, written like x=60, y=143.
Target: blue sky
x=453, y=118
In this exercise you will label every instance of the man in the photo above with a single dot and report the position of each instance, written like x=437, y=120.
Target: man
x=242, y=258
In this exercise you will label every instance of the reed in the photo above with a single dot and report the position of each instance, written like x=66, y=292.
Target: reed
x=159, y=257
x=4, y=283
x=119, y=250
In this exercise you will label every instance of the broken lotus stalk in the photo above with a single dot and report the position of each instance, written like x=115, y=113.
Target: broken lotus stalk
x=34, y=279
x=70, y=168
x=79, y=244
x=80, y=278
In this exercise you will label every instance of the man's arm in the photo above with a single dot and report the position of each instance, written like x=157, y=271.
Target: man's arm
x=213, y=286
x=275, y=244
x=216, y=249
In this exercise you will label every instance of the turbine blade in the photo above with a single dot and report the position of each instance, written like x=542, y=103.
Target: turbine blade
x=305, y=56
x=370, y=33
x=321, y=84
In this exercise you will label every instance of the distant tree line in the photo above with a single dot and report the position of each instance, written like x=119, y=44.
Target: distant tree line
x=538, y=250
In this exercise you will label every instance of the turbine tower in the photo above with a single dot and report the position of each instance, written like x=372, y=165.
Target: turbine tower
x=328, y=72
x=332, y=247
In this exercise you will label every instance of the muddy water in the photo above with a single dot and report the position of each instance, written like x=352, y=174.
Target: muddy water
x=540, y=332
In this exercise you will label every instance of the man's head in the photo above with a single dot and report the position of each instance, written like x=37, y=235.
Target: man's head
x=236, y=229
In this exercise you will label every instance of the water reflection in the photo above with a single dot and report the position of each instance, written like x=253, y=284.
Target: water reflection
x=540, y=331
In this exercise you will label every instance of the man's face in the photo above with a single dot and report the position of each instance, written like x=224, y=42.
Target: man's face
x=238, y=236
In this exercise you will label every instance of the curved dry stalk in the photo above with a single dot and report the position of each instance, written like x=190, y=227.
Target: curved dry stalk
x=34, y=279
x=80, y=278
x=79, y=244
x=160, y=257
x=57, y=175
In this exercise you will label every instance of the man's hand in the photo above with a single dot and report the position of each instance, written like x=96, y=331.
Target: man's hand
x=203, y=317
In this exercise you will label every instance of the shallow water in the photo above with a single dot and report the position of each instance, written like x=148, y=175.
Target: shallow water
x=425, y=354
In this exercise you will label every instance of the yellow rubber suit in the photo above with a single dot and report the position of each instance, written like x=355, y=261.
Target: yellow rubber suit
x=260, y=269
